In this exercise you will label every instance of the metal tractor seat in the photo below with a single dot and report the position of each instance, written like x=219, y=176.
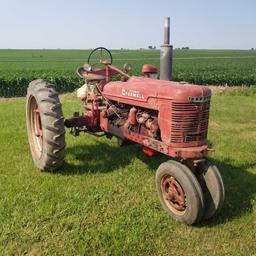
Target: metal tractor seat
x=88, y=75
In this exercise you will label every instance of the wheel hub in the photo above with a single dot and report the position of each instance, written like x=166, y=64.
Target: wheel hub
x=173, y=193
x=36, y=127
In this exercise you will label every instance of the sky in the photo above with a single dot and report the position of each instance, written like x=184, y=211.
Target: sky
x=83, y=24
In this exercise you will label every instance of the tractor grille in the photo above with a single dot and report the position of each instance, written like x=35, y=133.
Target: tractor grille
x=189, y=121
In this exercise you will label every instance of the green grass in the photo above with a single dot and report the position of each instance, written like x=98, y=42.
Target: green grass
x=103, y=200
x=214, y=67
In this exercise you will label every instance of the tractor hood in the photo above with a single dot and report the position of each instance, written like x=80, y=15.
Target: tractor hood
x=142, y=90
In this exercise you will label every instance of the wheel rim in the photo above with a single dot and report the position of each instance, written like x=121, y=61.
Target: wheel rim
x=36, y=132
x=173, y=194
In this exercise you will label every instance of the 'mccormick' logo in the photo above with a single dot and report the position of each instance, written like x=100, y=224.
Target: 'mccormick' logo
x=132, y=94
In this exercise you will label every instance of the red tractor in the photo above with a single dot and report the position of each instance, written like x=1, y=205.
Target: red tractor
x=164, y=117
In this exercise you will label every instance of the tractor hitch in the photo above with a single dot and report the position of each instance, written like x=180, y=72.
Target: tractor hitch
x=75, y=121
x=77, y=124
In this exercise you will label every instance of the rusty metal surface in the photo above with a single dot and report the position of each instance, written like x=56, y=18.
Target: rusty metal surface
x=173, y=193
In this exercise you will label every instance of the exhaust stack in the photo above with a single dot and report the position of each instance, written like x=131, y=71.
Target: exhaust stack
x=166, y=53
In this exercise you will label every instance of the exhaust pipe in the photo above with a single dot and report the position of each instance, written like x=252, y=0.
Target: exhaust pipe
x=166, y=53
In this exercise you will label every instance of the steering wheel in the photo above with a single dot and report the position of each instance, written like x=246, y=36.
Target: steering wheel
x=100, y=55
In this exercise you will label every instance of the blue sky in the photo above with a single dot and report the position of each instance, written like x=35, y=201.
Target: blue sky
x=128, y=24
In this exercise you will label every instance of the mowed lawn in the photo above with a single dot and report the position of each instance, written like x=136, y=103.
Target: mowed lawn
x=103, y=200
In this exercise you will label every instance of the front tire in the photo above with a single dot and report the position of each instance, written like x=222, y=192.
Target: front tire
x=45, y=125
x=179, y=192
x=213, y=188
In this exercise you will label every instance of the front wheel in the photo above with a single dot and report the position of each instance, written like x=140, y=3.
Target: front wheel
x=45, y=125
x=179, y=192
x=213, y=188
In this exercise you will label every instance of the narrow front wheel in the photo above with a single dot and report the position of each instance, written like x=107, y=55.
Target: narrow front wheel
x=213, y=188
x=179, y=192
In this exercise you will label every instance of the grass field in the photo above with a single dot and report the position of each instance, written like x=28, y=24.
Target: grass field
x=103, y=200
x=214, y=67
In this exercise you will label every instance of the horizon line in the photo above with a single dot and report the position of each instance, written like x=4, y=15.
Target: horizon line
x=134, y=49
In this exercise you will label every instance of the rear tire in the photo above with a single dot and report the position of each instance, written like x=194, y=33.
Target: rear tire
x=179, y=192
x=45, y=125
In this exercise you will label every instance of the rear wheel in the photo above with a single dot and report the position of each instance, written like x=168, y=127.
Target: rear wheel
x=179, y=192
x=213, y=188
x=45, y=125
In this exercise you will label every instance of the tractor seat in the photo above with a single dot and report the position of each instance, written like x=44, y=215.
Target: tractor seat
x=88, y=75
